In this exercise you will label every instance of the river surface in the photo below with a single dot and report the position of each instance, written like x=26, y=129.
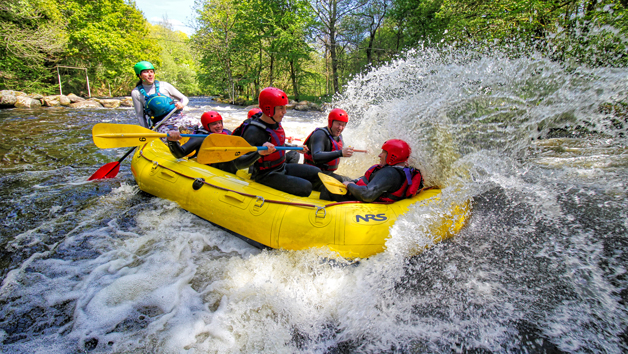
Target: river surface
x=539, y=148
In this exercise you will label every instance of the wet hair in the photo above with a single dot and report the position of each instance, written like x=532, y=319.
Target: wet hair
x=139, y=82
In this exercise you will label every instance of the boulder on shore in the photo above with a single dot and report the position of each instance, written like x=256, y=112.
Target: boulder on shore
x=7, y=99
x=126, y=102
x=51, y=101
x=74, y=98
x=26, y=102
x=307, y=106
x=64, y=100
x=12, y=93
x=56, y=100
x=108, y=103
x=86, y=104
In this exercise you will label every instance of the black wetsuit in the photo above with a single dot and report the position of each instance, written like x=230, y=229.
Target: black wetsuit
x=292, y=156
x=291, y=178
x=194, y=145
x=386, y=180
x=321, y=150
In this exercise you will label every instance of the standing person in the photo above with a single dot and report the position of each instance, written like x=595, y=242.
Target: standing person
x=211, y=124
x=269, y=166
x=327, y=146
x=389, y=181
x=153, y=100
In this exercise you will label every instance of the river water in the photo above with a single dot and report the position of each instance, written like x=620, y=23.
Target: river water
x=538, y=147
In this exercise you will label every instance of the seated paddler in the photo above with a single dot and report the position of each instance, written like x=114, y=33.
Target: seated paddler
x=326, y=145
x=211, y=123
x=269, y=166
x=389, y=181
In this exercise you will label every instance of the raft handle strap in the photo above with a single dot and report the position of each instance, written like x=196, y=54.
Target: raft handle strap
x=318, y=208
x=198, y=183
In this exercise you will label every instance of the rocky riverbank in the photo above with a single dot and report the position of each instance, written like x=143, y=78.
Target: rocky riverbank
x=18, y=99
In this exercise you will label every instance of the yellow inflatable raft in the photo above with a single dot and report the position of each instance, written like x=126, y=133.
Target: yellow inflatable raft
x=273, y=218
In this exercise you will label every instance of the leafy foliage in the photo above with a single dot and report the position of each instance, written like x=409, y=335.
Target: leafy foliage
x=306, y=47
x=247, y=44
x=108, y=37
x=590, y=31
x=178, y=62
x=31, y=36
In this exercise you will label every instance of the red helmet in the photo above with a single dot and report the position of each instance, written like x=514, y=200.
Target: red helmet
x=271, y=97
x=397, y=151
x=210, y=117
x=253, y=112
x=337, y=114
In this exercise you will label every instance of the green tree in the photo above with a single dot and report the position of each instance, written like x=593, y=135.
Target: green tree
x=108, y=37
x=373, y=15
x=31, y=38
x=217, y=20
x=330, y=14
x=412, y=22
x=576, y=29
x=246, y=43
x=291, y=30
x=178, y=63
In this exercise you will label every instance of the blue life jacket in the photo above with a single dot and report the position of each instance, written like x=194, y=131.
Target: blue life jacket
x=156, y=106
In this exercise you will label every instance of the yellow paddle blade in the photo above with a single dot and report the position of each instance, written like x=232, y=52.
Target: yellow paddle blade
x=333, y=185
x=107, y=135
x=222, y=148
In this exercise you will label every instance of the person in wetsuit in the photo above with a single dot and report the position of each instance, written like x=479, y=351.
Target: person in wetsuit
x=253, y=112
x=153, y=100
x=292, y=156
x=389, y=181
x=269, y=166
x=211, y=124
x=327, y=146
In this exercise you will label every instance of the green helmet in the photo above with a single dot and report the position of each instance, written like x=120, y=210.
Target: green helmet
x=143, y=65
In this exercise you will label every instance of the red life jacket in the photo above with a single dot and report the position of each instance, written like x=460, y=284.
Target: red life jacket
x=335, y=146
x=276, y=137
x=413, y=182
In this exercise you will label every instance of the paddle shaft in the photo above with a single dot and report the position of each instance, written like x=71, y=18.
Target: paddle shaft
x=249, y=148
x=147, y=135
x=280, y=148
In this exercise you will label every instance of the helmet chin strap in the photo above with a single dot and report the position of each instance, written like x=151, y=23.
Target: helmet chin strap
x=272, y=117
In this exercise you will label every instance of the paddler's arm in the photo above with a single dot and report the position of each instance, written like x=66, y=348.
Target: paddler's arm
x=384, y=180
x=194, y=144
x=255, y=136
x=139, y=107
x=320, y=143
x=173, y=92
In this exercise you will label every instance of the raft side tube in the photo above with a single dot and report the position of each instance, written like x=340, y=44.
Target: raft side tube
x=276, y=219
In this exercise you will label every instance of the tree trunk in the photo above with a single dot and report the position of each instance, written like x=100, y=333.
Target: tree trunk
x=369, y=49
x=272, y=65
x=293, y=75
x=334, y=61
x=332, y=45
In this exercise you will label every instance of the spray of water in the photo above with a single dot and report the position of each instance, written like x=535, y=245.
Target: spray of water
x=535, y=145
